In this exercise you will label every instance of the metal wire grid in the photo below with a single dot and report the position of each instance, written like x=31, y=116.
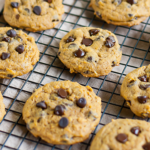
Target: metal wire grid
x=135, y=47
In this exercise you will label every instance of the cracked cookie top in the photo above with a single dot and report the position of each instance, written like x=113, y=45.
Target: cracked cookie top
x=18, y=53
x=122, y=12
x=93, y=52
x=135, y=89
x=123, y=134
x=62, y=112
x=33, y=15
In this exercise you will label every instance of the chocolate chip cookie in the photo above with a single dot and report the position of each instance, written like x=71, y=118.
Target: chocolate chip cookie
x=62, y=112
x=2, y=108
x=18, y=53
x=121, y=12
x=93, y=52
x=33, y=15
x=123, y=134
x=135, y=89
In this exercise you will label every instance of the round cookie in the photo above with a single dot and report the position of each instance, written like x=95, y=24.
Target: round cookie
x=123, y=134
x=93, y=52
x=121, y=12
x=18, y=53
x=62, y=112
x=33, y=15
x=2, y=108
x=135, y=89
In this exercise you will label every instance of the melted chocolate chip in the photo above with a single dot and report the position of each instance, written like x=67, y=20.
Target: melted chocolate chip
x=62, y=93
x=142, y=99
x=146, y=146
x=87, y=42
x=93, y=32
x=11, y=33
x=89, y=58
x=5, y=56
x=20, y=49
x=81, y=102
x=63, y=122
x=131, y=2
x=42, y=105
x=59, y=110
x=99, y=15
x=6, y=39
x=49, y=1
x=70, y=39
x=131, y=83
x=79, y=53
x=14, y=4
x=113, y=64
x=135, y=130
x=122, y=138
x=37, y=10
x=110, y=42
x=144, y=87
x=17, y=16
x=143, y=78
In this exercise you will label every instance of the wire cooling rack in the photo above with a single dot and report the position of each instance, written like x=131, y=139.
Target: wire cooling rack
x=134, y=42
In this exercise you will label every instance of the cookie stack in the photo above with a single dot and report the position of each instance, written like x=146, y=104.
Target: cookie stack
x=65, y=112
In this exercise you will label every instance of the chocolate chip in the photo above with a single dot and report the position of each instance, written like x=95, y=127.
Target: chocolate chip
x=144, y=87
x=143, y=78
x=17, y=16
x=113, y=64
x=59, y=110
x=142, y=99
x=93, y=32
x=27, y=10
x=122, y=138
x=39, y=119
x=70, y=39
x=99, y=15
x=79, y=53
x=110, y=42
x=58, y=53
x=6, y=39
x=131, y=83
x=146, y=146
x=11, y=33
x=131, y=1
x=129, y=102
x=20, y=49
x=9, y=75
x=42, y=105
x=5, y=56
x=89, y=58
x=37, y=10
x=81, y=102
x=87, y=42
x=135, y=130
x=55, y=20
x=63, y=122
x=49, y=1
x=62, y=93
x=14, y=4
x=130, y=15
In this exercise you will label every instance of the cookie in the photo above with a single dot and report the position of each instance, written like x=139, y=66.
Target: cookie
x=18, y=53
x=123, y=134
x=33, y=15
x=62, y=112
x=2, y=108
x=93, y=52
x=135, y=89
x=121, y=12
